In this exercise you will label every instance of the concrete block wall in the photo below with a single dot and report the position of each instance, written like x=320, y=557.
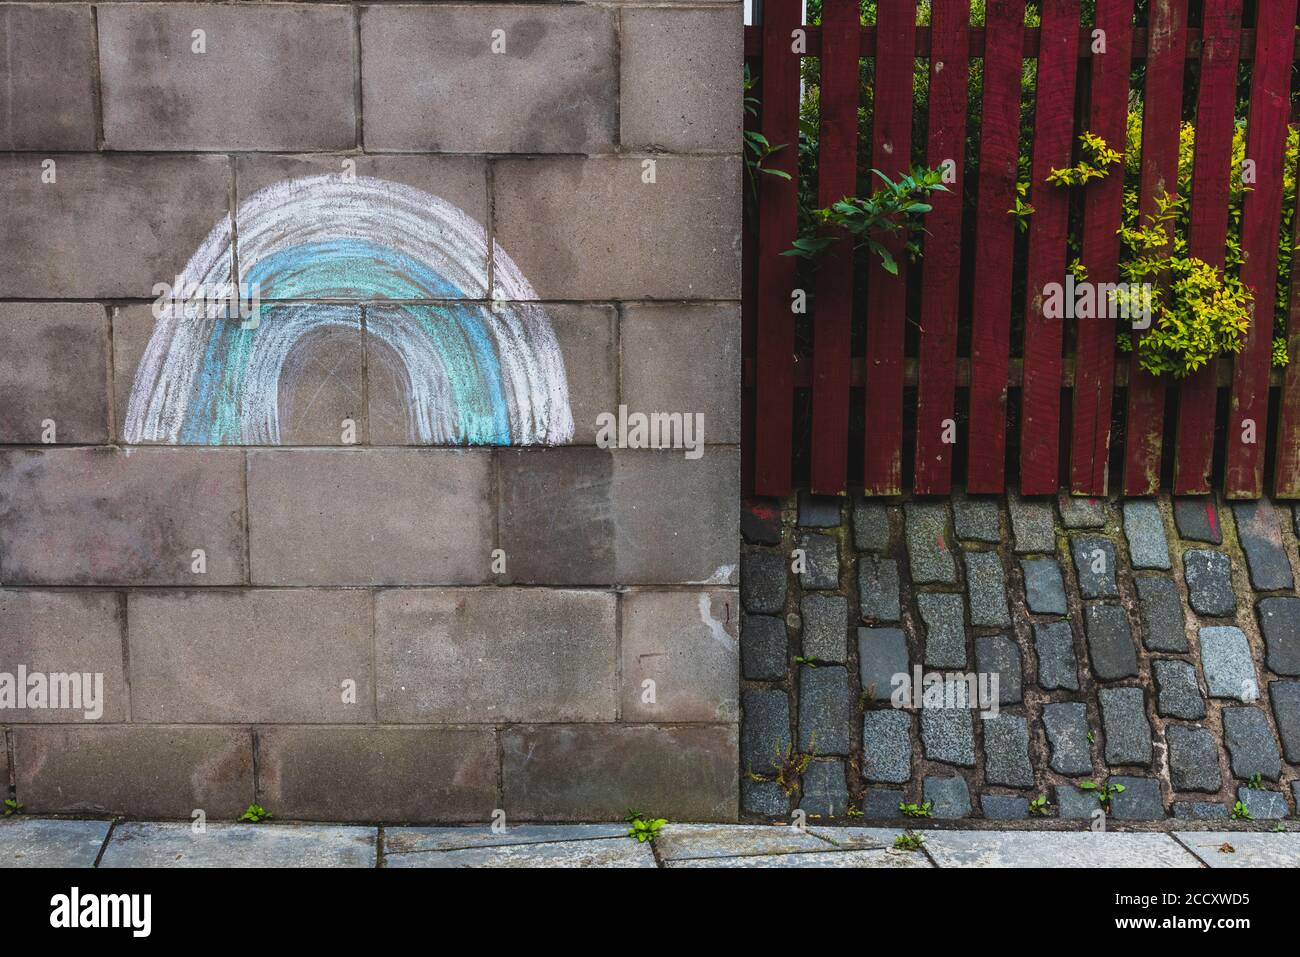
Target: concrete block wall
x=352, y=562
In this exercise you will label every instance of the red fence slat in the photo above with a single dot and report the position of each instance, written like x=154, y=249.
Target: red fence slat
x=1053, y=135
x=1161, y=122
x=995, y=233
x=1094, y=369
x=887, y=294
x=1216, y=104
x=1266, y=127
x=777, y=225
x=836, y=178
x=941, y=265
x=1286, y=478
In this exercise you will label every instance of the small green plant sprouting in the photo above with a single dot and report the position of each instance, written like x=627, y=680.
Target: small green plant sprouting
x=1241, y=813
x=1095, y=160
x=1281, y=357
x=1104, y=791
x=758, y=149
x=12, y=807
x=909, y=842
x=644, y=828
x=916, y=810
x=1091, y=737
x=255, y=814
x=1256, y=782
x=1038, y=805
x=893, y=209
x=790, y=765
x=801, y=660
x=1279, y=828
x=854, y=810
x=1022, y=210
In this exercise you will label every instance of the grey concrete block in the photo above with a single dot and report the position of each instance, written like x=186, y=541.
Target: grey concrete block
x=1006, y=751
x=1259, y=529
x=684, y=358
x=594, y=229
x=607, y=852
x=95, y=232
x=431, y=80
x=1251, y=747
x=48, y=62
x=683, y=641
x=73, y=633
x=591, y=772
x=369, y=517
x=887, y=746
x=239, y=657
x=944, y=614
x=53, y=367
x=1162, y=614
x=240, y=845
x=1044, y=586
x=680, y=78
x=825, y=710
x=824, y=793
x=763, y=648
x=106, y=516
x=882, y=653
x=1209, y=582
x=878, y=593
x=1228, y=663
x=461, y=656
x=1110, y=642
x=148, y=772
x=378, y=774
x=996, y=654
x=1279, y=620
x=632, y=517
x=1193, y=759
x=320, y=387
x=271, y=77
x=1178, y=695
x=986, y=585
x=764, y=731
x=949, y=797
x=1124, y=719
x=1057, y=665
x=1144, y=527
x=1067, y=732
x=825, y=627
x=47, y=842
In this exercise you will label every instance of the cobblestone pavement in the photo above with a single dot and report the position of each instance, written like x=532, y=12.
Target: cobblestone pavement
x=46, y=842
x=1147, y=657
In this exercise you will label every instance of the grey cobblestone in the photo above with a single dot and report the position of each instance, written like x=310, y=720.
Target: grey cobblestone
x=1075, y=804
x=760, y=521
x=1250, y=744
x=1139, y=801
x=883, y=802
x=878, y=589
x=1006, y=751
x=1198, y=519
x=763, y=582
x=825, y=792
x=1209, y=583
x=825, y=710
x=1199, y=811
x=1229, y=666
x=1128, y=734
x=1067, y=733
x=1057, y=665
x=763, y=798
x=825, y=627
x=949, y=797
x=1279, y=620
x=882, y=653
x=1162, y=614
x=1145, y=530
x=1263, y=805
x=1031, y=524
x=1285, y=696
x=870, y=525
x=1000, y=655
x=1177, y=693
x=762, y=648
x=1193, y=759
x=821, y=561
x=986, y=584
x=1044, y=586
x=1110, y=642
x=947, y=735
x=887, y=746
x=1081, y=512
x=1260, y=533
x=945, y=629
x=928, y=548
x=1094, y=563
x=764, y=730
x=976, y=519
x=819, y=511
x=1004, y=807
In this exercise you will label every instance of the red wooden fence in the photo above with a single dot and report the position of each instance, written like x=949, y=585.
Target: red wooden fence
x=908, y=388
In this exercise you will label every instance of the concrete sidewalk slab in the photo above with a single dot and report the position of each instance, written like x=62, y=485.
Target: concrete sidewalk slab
x=1249, y=848
x=602, y=852
x=859, y=838
x=685, y=841
x=241, y=845
x=870, y=859
x=414, y=840
x=1055, y=849
x=44, y=842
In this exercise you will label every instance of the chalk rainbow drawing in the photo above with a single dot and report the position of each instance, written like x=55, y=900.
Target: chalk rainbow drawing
x=478, y=373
